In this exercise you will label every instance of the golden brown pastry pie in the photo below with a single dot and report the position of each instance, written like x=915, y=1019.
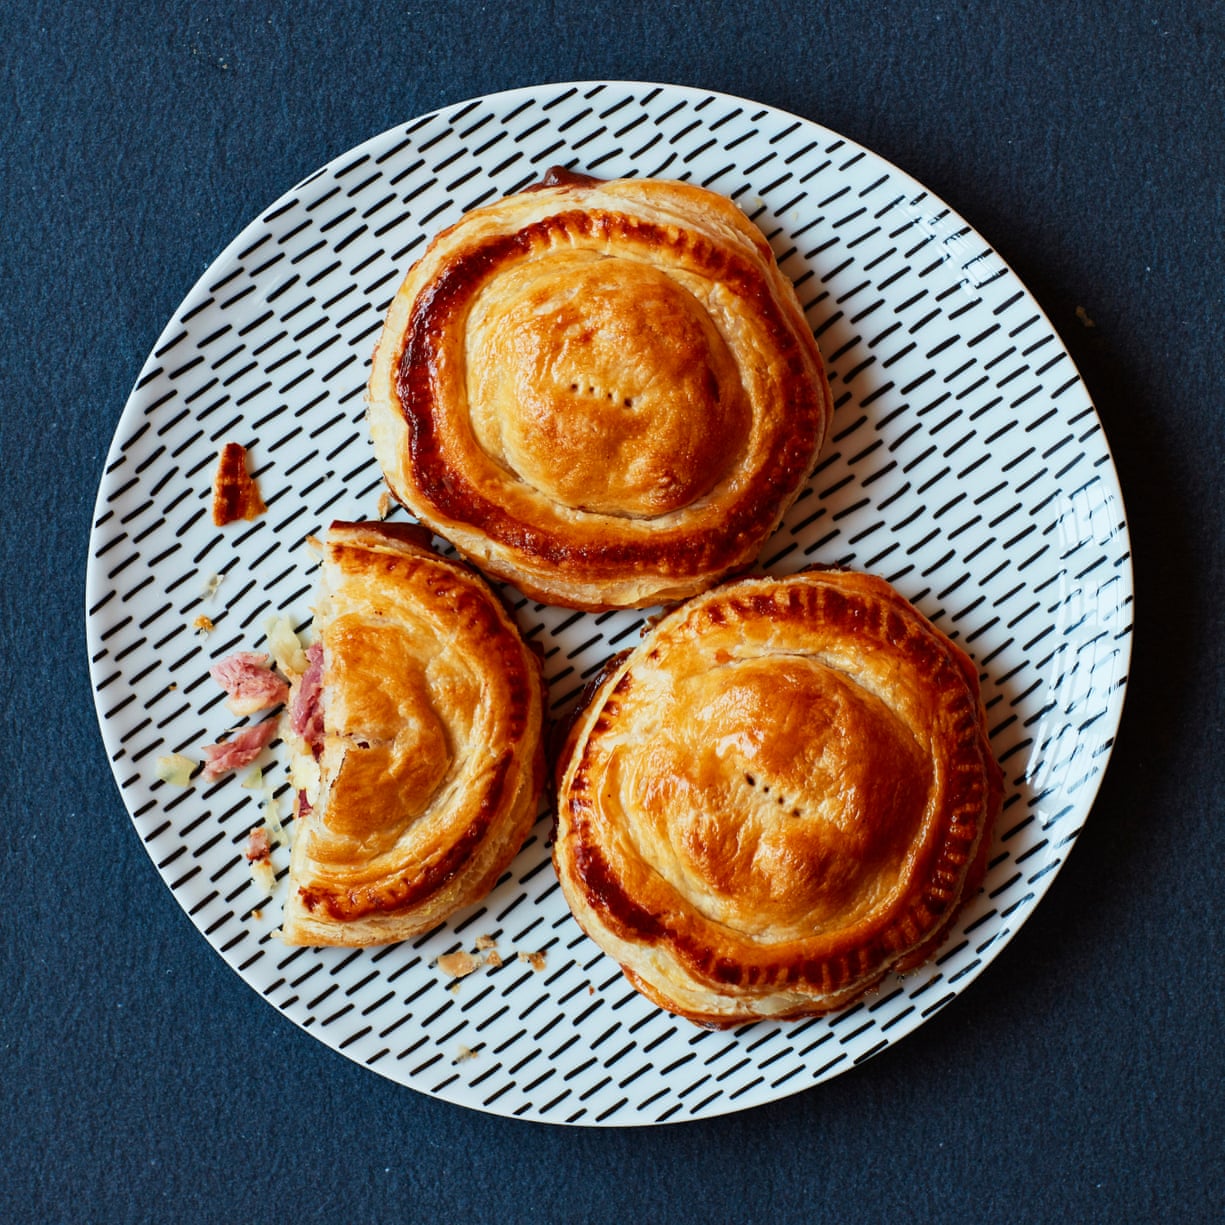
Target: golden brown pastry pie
x=605, y=393
x=417, y=725
x=784, y=792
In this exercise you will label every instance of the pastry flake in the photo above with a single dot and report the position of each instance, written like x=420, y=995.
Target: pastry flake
x=235, y=493
x=783, y=793
x=605, y=393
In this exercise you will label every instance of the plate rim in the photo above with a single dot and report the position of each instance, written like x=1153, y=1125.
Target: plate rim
x=258, y=225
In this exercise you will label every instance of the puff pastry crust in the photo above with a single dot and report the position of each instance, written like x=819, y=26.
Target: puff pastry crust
x=605, y=393
x=428, y=772
x=784, y=792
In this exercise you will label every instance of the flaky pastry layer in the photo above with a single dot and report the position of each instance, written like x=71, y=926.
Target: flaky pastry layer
x=429, y=772
x=603, y=392
x=784, y=792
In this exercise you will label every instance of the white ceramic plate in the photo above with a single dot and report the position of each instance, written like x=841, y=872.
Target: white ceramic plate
x=967, y=466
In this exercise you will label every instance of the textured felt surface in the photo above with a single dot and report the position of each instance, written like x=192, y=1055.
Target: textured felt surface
x=1078, y=1079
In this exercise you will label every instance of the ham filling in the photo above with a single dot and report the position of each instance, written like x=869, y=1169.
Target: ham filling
x=306, y=713
x=258, y=845
x=242, y=748
x=251, y=684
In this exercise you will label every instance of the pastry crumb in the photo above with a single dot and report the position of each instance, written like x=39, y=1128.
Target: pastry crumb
x=486, y=942
x=1083, y=316
x=493, y=958
x=258, y=854
x=535, y=960
x=464, y=1053
x=264, y=874
x=384, y=504
x=458, y=964
x=203, y=625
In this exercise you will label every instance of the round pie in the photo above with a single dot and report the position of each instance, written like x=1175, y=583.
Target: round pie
x=783, y=793
x=605, y=393
x=416, y=725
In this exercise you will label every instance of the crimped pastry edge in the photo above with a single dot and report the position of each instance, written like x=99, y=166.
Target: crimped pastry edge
x=561, y=580
x=699, y=997
x=524, y=768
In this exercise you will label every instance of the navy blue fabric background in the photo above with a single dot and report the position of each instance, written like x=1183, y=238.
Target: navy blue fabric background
x=1079, y=1079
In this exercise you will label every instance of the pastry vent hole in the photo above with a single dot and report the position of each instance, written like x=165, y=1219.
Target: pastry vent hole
x=792, y=810
x=597, y=393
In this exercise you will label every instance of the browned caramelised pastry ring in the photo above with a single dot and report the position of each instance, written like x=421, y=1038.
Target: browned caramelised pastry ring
x=417, y=729
x=603, y=392
x=784, y=792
